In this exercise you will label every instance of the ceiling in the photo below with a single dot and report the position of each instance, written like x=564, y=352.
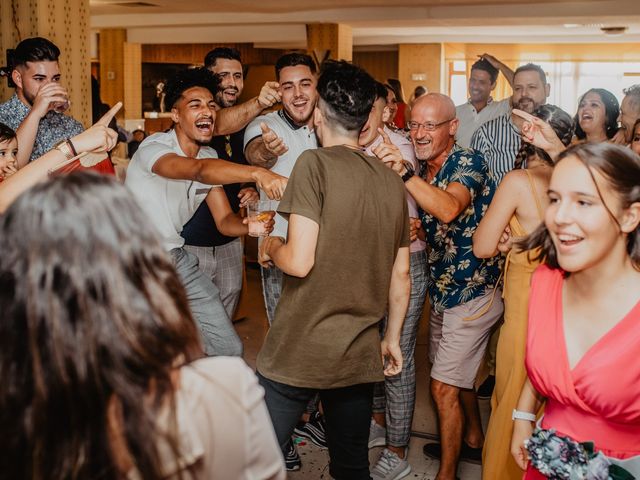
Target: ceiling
x=281, y=23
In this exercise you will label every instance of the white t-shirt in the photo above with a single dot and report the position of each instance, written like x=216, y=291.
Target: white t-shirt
x=470, y=119
x=168, y=203
x=297, y=139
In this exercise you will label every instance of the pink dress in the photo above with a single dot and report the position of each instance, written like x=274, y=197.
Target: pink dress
x=599, y=400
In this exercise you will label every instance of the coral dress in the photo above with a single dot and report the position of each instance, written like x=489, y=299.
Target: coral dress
x=599, y=399
x=497, y=461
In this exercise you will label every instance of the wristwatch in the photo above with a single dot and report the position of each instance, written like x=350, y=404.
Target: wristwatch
x=519, y=415
x=67, y=148
x=410, y=172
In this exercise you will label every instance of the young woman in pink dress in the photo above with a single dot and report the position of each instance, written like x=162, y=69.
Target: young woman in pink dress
x=584, y=311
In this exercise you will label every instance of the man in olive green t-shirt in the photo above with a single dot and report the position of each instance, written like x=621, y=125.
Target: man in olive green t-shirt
x=346, y=262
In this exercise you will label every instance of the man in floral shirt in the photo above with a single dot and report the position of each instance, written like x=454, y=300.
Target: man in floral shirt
x=453, y=190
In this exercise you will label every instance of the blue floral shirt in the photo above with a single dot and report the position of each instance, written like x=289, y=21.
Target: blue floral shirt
x=456, y=274
x=53, y=128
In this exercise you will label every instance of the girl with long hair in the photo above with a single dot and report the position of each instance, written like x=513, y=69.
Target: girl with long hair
x=584, y=321
x=100, y=357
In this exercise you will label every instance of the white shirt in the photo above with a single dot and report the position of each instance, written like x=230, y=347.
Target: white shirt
x=470, y=119
x=408, y=153
x=297, y=139
x=169, y=204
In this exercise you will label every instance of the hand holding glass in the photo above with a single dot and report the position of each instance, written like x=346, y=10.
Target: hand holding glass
x=260, y=218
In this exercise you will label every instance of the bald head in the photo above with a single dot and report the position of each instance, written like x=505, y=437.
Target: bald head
x=442, y=103
x=433, y=126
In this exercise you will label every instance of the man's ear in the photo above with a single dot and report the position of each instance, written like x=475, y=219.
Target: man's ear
x=318, y=118
x=547, y=89
x=174, y=115
x=493, y=85
x=453, y=127
x=16, y=76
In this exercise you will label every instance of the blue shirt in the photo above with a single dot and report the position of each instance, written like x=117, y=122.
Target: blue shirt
x=456, y=275
x=52, y=129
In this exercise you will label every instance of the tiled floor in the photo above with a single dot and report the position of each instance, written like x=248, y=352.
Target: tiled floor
x=252, y=330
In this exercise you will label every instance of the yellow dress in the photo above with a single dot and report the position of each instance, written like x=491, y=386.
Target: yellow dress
x=497, y=462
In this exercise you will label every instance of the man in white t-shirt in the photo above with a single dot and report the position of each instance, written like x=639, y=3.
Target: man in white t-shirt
x=276, y=140
x=172, y=173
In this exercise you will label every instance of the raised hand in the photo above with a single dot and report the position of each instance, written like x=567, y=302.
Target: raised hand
x=269, y=94
x=387, y=152
x=99, y=137
x=539, y=133
x=50, y=96
x=271, y=183
x=491, y=59
x=272, y=142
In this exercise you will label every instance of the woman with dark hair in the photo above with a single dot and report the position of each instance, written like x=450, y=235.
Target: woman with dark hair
x=399, y=118
x=584, y=322
x=597, y=116
x=518, y=203
x=99, y=353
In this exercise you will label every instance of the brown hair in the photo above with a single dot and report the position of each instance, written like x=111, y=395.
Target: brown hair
x=93, y=313
x=621, y=169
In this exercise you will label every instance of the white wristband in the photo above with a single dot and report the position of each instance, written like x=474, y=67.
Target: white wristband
x=518, y=415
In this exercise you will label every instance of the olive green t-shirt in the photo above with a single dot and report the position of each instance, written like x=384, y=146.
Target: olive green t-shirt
x=325, y=330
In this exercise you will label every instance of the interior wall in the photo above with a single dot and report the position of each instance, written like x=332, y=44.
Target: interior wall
x=194, y=53
x=380, y=65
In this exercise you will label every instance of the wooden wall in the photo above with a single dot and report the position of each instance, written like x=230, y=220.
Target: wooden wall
x=195, y=53
x=381, y=65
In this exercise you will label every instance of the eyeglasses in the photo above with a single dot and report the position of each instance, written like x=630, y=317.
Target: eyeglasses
x=428, y=126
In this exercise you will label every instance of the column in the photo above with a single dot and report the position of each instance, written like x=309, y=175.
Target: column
x=420, y=64
x=132, y=80
x=329, y=41
x=65, y=23
x=111, y=56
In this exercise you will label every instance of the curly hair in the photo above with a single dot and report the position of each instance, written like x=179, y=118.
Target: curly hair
x=611, y=109
x=621, y=169
x=93, y=316
x=561, y=123
x=346, y=94
x=186, y=79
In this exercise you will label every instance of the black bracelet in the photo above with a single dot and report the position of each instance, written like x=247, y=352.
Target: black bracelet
x=72, y=147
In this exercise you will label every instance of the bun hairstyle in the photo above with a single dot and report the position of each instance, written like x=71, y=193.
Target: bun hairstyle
x=621, y=169
x=561, y=123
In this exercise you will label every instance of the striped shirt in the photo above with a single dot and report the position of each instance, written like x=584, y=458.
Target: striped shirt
x=499, y=141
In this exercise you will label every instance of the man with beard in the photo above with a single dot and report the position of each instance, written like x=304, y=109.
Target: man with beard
x=276, y=140
x=172, y=173
x=499, y=140
x=34, y=111
x=480, y=107
x=454, y=189
x=219, y=256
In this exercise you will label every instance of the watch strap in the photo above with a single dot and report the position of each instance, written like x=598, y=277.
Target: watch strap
x=519, y=415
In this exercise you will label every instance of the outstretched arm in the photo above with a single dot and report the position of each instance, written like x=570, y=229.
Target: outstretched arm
x=234, y=119
x=98, y=138
x=214, y=171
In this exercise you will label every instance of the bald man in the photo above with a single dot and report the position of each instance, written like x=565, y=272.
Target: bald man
x=453, y=189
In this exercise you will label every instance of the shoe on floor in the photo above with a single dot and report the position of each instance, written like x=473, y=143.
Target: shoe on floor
x=467, y=453
x=313, y=430
x=486, y=389
x=390, y=466
x=377, y=435
x=291, y=458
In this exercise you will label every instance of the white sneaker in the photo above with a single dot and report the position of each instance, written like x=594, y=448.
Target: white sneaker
x=390, y=466
x=377, y=435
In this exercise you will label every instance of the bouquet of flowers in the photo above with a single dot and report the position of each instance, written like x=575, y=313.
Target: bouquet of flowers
x=560, y=458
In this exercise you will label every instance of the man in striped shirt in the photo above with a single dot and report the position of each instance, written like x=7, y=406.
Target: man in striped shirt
x=499, y=139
